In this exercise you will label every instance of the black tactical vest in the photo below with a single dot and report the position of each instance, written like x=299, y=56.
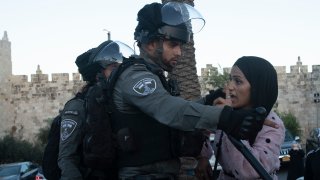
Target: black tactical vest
x=142, y=139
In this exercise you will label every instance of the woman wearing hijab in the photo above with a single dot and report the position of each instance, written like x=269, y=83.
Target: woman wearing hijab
x=253, y=83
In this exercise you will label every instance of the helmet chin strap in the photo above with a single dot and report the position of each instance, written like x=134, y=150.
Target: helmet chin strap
x=158, y=58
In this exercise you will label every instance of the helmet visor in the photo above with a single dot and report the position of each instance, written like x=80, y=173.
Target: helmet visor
x=175, y=13
x=113, y=53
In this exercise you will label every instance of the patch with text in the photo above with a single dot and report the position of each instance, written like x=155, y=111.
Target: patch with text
x=145, y=86
x=67, y=128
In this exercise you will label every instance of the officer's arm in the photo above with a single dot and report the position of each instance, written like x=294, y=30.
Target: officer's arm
x=70, y=140
x=144, y=90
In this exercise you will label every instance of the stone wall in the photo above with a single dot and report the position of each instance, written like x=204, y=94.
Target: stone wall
x=26, y=106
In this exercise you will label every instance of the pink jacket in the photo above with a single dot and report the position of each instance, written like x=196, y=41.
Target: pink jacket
x=266, y=149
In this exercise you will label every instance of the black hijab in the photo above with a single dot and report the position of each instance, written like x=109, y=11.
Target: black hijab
x=262, y=78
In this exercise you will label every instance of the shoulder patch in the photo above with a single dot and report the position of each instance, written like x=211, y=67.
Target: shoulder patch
x=70, y=112
x=139, y=67
x=145, y=86
x=67, y=128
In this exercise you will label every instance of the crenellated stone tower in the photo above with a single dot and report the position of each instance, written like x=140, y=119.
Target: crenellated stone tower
x=5, y=58
x=25, y=106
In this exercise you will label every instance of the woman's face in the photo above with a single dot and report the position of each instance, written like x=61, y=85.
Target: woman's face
x=239, y=89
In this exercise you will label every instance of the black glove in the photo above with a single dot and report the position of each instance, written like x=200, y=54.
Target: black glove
x=214, y=94
x=242, y=124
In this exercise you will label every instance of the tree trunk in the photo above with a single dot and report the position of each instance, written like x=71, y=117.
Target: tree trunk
x=186, y=75
x=186, y=72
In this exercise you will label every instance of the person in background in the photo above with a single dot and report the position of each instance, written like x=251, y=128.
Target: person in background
x=93, y=64
x=253, y=83
x=296, y=164
x=148, y=116
x=312, y=168
x=312, y=142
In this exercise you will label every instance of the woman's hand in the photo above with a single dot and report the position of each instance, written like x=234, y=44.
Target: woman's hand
x=203, y=170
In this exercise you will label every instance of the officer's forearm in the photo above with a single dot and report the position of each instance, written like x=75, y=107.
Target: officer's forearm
x=209, y=118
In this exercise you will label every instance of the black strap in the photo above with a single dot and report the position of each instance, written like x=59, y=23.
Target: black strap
x=215, y=175
x=250, y=158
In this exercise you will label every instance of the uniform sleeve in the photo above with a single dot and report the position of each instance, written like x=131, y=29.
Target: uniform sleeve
x=200, y=100
x=143, y=90
x=266, y=150
x=70, y=141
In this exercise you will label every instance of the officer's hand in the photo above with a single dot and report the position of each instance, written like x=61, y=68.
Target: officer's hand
x=225, y=100
x=213, y=94
x=242, y=124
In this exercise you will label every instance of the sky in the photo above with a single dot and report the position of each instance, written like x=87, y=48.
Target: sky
x=53, y=33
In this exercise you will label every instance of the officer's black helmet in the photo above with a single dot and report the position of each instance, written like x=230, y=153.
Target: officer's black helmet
x=110, y=52
x=173, y=20
x=97, y=59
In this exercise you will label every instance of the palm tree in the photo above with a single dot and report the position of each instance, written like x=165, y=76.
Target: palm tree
x=186, y=72
x=186, y=75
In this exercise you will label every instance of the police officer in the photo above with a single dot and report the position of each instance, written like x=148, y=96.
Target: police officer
x=96, y=62
x=147, y=115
